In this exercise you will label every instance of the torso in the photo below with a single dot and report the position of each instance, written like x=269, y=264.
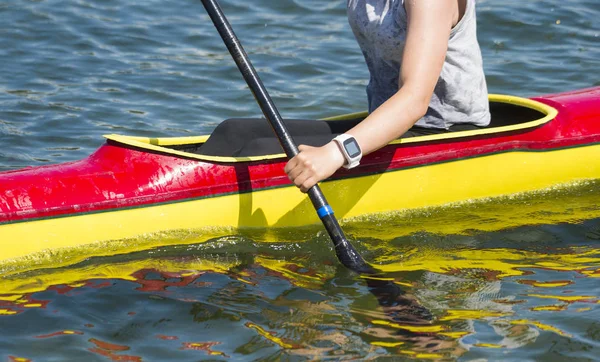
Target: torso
x=460, y=96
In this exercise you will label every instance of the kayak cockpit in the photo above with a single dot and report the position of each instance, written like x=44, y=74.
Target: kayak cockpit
x=242, y=140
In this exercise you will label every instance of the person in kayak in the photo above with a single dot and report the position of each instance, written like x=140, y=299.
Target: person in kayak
x=426, y=76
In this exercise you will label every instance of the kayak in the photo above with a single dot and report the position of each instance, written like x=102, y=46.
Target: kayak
x=132, y=188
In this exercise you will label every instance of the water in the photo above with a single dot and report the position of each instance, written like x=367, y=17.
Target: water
x=513, y=279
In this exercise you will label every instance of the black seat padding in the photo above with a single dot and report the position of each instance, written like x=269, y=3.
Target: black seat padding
x=243, y=137
x=239, y=137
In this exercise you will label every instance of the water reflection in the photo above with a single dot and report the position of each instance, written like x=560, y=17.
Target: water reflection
x=435, y=303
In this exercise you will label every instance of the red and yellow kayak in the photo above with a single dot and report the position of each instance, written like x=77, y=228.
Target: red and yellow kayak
x=135, y=187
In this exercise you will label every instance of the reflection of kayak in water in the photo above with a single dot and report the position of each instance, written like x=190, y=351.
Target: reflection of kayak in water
x=134, y=186
x=306, y=305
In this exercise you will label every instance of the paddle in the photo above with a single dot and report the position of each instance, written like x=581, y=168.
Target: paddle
x=345, y=252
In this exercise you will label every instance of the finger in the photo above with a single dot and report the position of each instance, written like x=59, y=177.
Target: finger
x=301, y=163
x=308, y=183
x=301, y=178
x=290, y=165
x=294, y=173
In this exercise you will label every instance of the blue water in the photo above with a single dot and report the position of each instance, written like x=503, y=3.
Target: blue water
x=73, y=71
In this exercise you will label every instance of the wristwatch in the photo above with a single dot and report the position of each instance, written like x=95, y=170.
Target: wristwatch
x=350, y=149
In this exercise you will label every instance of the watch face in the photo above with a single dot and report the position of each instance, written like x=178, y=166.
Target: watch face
x=352, y=147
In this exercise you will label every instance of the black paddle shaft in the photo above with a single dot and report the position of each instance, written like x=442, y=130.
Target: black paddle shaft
x=345, y=252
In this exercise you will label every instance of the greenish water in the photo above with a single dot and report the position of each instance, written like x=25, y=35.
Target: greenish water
x=513, y=279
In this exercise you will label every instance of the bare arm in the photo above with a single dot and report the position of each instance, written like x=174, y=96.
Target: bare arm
x=429, y=26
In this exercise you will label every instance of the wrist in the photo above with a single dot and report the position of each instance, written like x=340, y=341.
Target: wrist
x=336, y=153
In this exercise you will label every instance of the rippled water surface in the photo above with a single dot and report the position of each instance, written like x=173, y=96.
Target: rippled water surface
x=512, y=279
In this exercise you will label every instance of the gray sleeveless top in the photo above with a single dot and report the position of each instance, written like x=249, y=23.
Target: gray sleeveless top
x=460, y=95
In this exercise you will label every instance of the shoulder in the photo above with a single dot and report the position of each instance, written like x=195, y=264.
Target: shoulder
x=433, y=11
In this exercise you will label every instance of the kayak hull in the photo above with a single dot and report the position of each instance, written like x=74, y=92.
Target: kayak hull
x=129, y=191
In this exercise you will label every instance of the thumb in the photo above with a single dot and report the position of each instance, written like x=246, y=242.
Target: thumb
x=302, y=148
